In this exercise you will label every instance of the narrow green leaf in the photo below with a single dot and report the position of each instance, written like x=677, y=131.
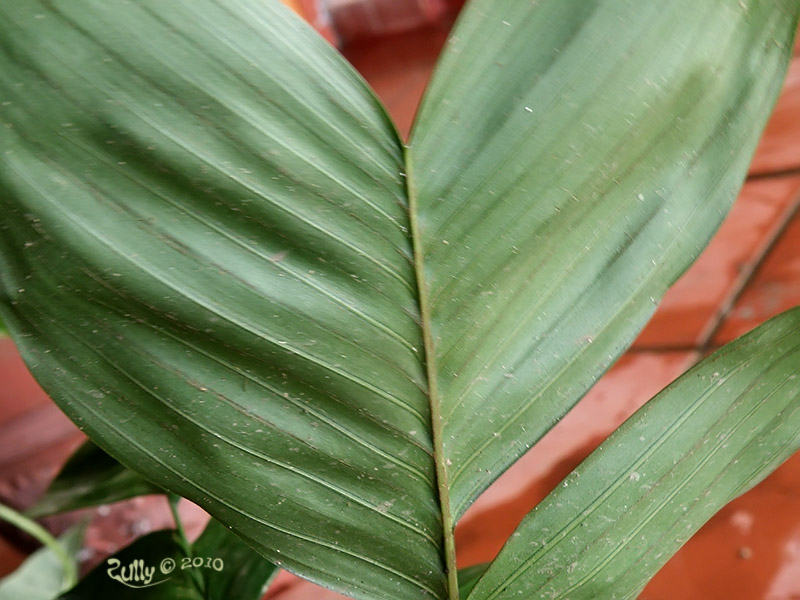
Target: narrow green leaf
x=90, y=478
x=220, y=567
x=618, y=517
x=569, y=161
x=41, y=576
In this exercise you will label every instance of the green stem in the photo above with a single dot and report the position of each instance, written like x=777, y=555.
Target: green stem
x=37, y=531
x=437, y=424
x=173, y=508
x=174, y=500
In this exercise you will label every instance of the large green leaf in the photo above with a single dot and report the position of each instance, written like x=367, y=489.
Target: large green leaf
x=219, y=259
x=707, y=438
x=206, y=263
x=570, y=159
x=90, y=478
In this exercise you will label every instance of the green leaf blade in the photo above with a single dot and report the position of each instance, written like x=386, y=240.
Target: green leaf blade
x=561, y=194
x=42, y=576
x=245, y=574
x=90, y=478
x=211, y=292
x=207, y=257
x=468, y=577
x=705, y=439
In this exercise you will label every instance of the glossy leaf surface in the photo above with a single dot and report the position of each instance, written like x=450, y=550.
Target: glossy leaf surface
x=90, y=478
x=707, y=438
x=219, y=259
x=204, y=217
x=570, y=160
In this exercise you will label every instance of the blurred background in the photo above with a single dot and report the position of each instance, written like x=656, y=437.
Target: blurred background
x=750, y=272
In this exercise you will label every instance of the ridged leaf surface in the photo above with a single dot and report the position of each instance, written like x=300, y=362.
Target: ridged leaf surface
x=221, y=261
x=619, y=516
x=570, y=160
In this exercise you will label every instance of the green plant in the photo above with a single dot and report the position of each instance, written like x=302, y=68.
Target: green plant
x=222, y=262
x=162, y=565
x=49, y=570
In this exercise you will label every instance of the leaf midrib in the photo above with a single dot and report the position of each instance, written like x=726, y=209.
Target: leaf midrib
x=434, y=401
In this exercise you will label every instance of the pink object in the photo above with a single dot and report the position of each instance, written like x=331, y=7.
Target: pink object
x=353, y=19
